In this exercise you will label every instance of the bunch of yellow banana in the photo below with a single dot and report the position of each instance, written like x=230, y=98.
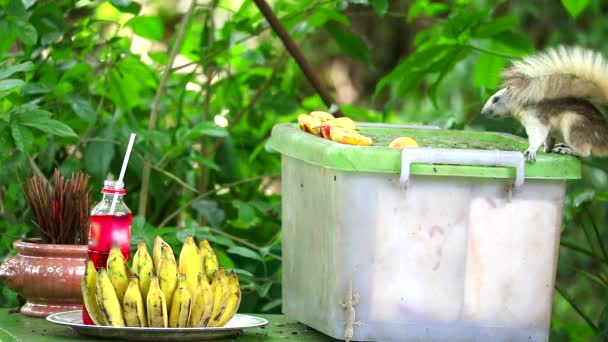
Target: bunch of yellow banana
x=160, y=291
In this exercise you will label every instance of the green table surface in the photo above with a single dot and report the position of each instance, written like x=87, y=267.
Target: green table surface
x=15, y=327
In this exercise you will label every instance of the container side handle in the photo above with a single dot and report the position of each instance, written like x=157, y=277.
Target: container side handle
x=462, y=157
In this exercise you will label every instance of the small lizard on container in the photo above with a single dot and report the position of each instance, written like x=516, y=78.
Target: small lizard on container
x=349, y=307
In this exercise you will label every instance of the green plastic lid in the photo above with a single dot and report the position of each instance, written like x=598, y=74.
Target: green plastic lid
x=289, y=140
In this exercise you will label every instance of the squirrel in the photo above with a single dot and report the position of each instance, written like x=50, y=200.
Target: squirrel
x=552, y=94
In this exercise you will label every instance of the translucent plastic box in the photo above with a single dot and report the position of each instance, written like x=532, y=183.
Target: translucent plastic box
x=454, y=241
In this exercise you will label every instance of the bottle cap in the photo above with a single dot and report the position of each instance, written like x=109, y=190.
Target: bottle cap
x=109, y=187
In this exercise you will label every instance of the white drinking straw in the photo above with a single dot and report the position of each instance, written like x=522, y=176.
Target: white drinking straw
x=122, y=172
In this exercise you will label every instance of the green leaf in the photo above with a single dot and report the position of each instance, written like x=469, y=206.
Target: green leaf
x=26, y=32
x=597, y=279
x=498, y=25
x=208, y=129
x=349, y=42
x=322, y=15
x=603, y=325
x=444, y=66
x=150, y=27
x=35, y=88
x=487, y=71
x=247, y=216
x=210, y=211
x=425, y=7
x=575, y=7
x=22, y=137
x=29, y=113
x=581, y=197
x=601, y=196
x=51, y=126
x=29, y=3
x=5, y=137
x=77, y=72
x=195, y=231
x=124, y=89
x=49, y=20
x=460, y=25
x=415, y=66
x=99, y=155
x=121, y=3
x=242, y=272
x=160, y=57
x=206, y=162
x=272, y=304
x=126, y=6
x=512, y=43
x=217, y=240
x=7, y=32
x=83, y=108
x=15, y=8
x=6, y=71
x=224, y=259
x=10, y=84
x=244, y=252
x=380, y=6
x=264, y=289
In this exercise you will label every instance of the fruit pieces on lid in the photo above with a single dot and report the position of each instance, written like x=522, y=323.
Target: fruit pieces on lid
x=341, y=130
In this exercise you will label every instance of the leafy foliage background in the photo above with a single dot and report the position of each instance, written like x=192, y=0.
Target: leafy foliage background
x=76, y=77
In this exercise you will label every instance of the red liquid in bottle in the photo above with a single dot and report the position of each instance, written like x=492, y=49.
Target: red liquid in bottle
x=108, y=230
x=105, y=231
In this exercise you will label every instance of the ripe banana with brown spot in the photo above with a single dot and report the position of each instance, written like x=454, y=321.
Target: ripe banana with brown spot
x=181, y=306
x=133, y=305
x=190, y=262
x=219, y=287
x=234, y=300
x=167, y=275
x=143, y=267
x=88, y=284
x=156, y=306
x=157, y=250
x=210, y=263
x=202, y=304
x=108, y=300
x=118, y=271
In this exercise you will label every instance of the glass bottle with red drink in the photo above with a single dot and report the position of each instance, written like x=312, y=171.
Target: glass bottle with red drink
x=108, y=229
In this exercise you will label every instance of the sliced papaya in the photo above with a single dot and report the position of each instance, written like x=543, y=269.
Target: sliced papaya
x=403, y=142
x=349, y=137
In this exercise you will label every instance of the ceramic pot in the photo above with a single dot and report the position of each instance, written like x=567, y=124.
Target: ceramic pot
x=48, y=276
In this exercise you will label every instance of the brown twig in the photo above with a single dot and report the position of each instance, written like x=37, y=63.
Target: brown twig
x=145, y=181
x=254, y=34
x=296, y=53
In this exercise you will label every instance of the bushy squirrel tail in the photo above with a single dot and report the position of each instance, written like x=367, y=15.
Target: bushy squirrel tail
x=560, y=72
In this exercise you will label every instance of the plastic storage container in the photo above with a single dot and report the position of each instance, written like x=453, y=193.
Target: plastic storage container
x=454, y=241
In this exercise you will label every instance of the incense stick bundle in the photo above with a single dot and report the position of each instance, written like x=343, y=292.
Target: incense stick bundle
x=60, y=211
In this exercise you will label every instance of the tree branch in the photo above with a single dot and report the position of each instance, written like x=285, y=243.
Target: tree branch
x=209, y=193
x=298, y=56
x=145, y=181
x=243, y=242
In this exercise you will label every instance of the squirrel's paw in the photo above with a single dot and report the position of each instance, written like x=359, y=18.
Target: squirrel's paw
x=530, y=155
x=563, y=149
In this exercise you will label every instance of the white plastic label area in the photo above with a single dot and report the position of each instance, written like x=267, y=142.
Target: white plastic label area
x=462, y=157
x=445, y=259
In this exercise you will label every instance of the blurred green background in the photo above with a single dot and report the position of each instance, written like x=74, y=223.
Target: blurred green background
x=76, y=77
